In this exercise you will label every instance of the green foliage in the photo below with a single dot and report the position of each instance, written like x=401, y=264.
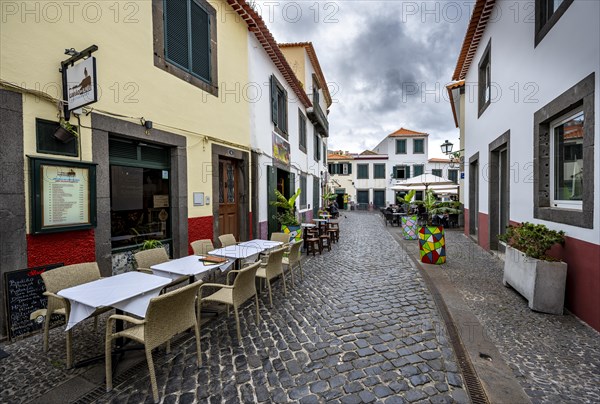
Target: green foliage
x=433, y=207
x=287, y=214
x=407, y=198
x=532, y=239
x=150, y=244
x=329, y=196
x=66, y=125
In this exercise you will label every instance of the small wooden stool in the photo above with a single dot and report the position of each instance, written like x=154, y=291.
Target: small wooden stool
x=313, y=244
x=334, y=235
x=325, y=241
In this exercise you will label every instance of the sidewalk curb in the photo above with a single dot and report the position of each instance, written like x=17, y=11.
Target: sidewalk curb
x=496, y=378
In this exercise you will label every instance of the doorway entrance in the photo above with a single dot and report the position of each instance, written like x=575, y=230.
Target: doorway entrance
x=379, y=198
x=228, y=197
x=284, y=182
x=474, y=195
x=499, y=189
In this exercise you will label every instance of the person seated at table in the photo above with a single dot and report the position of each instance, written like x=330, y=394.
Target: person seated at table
x=333, y=209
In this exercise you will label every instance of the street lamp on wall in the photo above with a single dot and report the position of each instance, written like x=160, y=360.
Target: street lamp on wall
x=446, y=147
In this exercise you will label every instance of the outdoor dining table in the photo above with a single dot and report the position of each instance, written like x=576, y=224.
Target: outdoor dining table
x=321, y=223
x=190, y=266
x=130, y=292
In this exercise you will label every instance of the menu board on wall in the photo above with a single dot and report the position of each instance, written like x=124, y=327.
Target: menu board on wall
x=63, y=195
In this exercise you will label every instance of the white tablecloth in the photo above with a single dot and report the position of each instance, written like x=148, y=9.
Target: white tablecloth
x=187, y=266
x=261, y=244
x=130, y=292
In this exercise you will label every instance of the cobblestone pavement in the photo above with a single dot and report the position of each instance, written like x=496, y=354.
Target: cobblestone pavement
x=556, y=359
x=360, y=327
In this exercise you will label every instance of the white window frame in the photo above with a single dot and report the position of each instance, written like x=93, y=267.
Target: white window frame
x=345, y=168
x=559, y=203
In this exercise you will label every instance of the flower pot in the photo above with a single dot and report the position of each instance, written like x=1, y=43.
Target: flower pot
x=295, y=232
x=409, y=227
x=542, y=283
x=432, y=245
x=63, y=135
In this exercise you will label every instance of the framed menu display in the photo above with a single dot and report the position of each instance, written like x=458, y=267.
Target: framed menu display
x=63, y=195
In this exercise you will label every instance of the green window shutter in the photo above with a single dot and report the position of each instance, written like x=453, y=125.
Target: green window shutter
x=418, y=169
x=316, y=196
x=177, y=32
x=407, y=171
x=436, y=172
x=200, y=41
x=273, y=100
x=349, y=168
x=284, y=115
x=400, y=146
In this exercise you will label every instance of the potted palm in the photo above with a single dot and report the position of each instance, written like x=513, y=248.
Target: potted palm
x=286, y=215
x=65, y=131
x=539, y=278
x=432, y=240
x=409, y=222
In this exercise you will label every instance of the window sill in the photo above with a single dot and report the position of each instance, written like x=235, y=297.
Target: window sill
x=578, y=218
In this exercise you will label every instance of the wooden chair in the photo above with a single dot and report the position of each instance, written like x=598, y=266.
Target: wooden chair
x=325, y=241
x=63, y=278
x=293, y=259
x=202, y=247
x=227, y=240
x=147, y=258
x=272, y=269
x=167, y=315
x=243, y=288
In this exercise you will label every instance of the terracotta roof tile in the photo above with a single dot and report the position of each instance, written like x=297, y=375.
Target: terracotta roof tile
x=333, y=156
x=402, y=132
x=438, y=160
x=450, y=87
x=257, y=26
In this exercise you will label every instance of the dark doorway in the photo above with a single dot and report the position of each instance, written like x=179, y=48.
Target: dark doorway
x=499, y=189
x=474, y=195
x=379, y=198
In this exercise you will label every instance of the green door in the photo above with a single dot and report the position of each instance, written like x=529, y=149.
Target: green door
x=273, y=224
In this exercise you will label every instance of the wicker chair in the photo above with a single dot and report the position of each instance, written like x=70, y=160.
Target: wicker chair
x=147, y=258
x=227, y=240
x=293, y=259
x=63, y=278
x=167, y=315
x=272, y=269
x=283, y=237
x=243, y=288
x=202, y=247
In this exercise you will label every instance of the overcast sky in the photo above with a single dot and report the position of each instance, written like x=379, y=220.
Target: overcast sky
x=387, y=63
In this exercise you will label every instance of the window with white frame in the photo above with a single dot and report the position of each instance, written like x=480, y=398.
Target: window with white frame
x=345, y=168
x=566, y=160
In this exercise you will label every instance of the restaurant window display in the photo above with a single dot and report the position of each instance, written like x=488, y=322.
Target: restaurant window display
x=140, y=196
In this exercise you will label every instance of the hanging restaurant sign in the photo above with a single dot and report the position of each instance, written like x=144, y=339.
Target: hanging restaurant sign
x=81, y=84
x=281, y=149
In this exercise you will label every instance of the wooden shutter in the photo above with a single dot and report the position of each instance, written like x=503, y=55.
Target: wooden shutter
x=349, y=168
x=407, y=172
x=316, y=196
x=176, y=32
x=284, y=127
x=200, y=63
x=273, y=100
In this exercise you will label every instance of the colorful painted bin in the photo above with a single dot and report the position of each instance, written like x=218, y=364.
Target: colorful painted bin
x=409, y=227
x=432, y=245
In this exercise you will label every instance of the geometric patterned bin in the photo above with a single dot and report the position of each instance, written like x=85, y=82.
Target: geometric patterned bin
x=432, y=245
x=409, y=227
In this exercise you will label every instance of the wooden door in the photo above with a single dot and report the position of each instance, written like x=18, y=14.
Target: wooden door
x=228, y=198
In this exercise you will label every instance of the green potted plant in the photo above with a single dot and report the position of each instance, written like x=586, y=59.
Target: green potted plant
x=286, y=215
x=65, y=131
x=539, y=278
x=150, y=244
x=432, y=240
x=409, y=222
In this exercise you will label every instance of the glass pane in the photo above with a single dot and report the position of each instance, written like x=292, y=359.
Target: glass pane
x=556, y=5
x=140, y=205
x=230, y=184
x=568, y=159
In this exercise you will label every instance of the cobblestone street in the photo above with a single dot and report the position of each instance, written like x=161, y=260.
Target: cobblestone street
x=360, y=327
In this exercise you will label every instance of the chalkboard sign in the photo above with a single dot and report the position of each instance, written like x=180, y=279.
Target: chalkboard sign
x=24, y=290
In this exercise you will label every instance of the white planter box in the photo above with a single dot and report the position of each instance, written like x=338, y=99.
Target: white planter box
x=542, y=283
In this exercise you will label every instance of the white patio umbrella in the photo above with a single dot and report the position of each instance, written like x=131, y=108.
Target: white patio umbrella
x=437, y=188
x=427, y=181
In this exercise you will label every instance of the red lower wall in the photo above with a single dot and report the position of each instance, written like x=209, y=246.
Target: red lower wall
x=583, y=278
x=71, y=247
x=483, y=235
x=199, y=228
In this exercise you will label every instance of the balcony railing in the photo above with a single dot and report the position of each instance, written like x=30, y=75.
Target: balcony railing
x=318, y=119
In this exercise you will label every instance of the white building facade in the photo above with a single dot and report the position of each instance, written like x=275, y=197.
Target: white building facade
x=531, y=101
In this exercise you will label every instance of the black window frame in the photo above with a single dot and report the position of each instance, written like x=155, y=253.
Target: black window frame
x=43, y=136
x=359, y=175
x=544, y=21
x=484, y=76
x=317, y=147
x=453, y=170
x=398, y=142
x=381, y=167
x=279, y=107
x=162, y=62
x=301, y=131
x=422, y=143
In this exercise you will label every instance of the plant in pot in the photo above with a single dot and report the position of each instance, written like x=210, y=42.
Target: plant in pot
x=432, y=240
x=538, y=277
x=286, y=215
x=65, y=131
x=409, y=222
